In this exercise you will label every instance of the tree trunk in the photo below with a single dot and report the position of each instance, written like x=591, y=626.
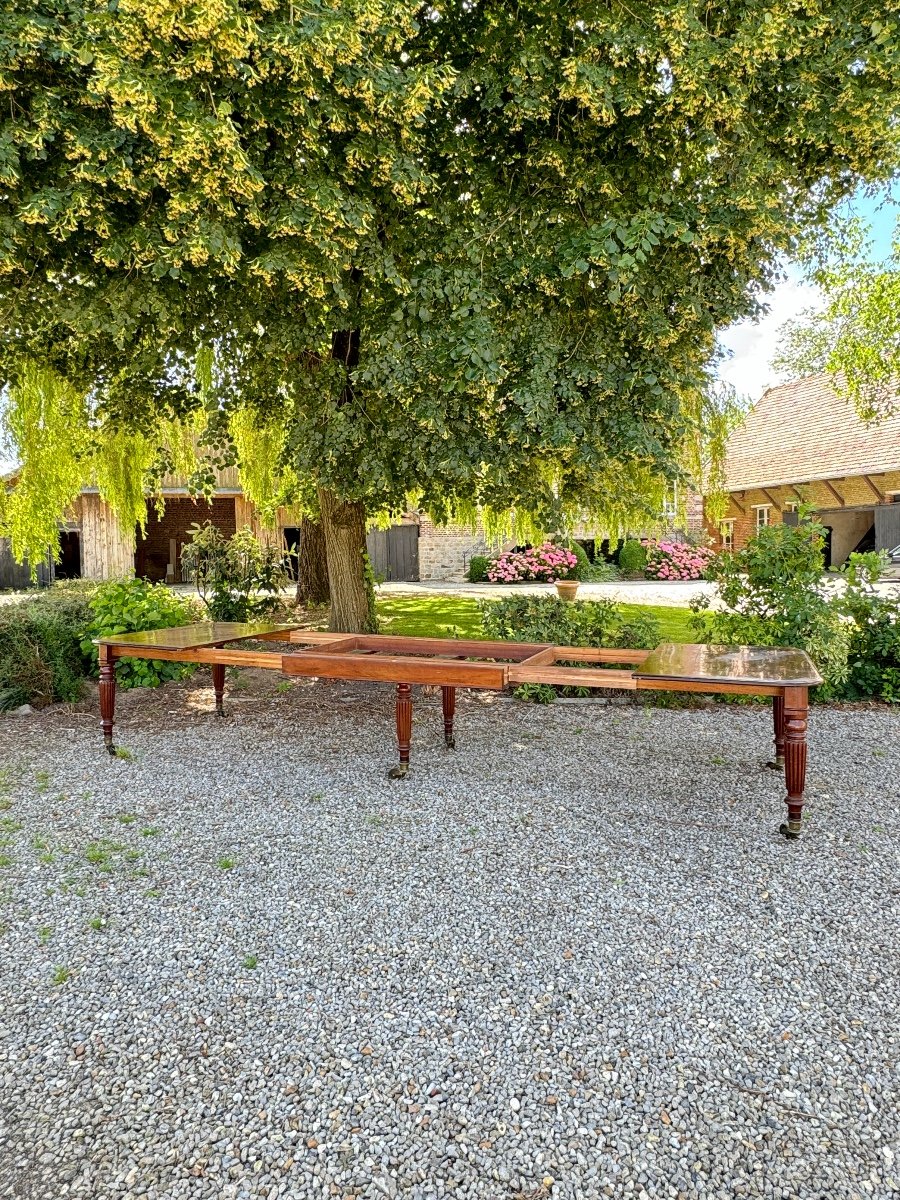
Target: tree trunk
x=352, y=597
x=312, y=564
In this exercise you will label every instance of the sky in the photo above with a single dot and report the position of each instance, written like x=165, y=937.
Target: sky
x=751, y=345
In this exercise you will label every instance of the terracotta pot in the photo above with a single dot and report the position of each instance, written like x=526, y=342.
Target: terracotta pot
x=566, y=588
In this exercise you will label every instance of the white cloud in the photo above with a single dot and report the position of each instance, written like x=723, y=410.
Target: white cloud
x=752, y=344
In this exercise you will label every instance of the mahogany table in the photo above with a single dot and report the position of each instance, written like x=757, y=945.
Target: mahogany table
x=784, y=674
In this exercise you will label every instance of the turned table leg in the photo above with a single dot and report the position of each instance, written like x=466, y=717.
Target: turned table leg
x=107, y=696
x=404, y=730
x=777, y=763
x=795, y=712
x=448, y=700
x=218, y=674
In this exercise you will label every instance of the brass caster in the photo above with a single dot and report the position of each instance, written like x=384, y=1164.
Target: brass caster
x=775, y=764
x=110, y=749
x=398, y=772
x=450, y=743
x=790, y=829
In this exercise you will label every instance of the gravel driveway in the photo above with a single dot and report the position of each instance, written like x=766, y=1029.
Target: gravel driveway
x=572, y=959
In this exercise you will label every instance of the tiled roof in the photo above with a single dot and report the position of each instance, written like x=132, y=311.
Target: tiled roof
x=804, y=430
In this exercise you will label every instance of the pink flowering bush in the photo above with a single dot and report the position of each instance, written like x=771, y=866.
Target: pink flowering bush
x=678, y=560
x=546, y=563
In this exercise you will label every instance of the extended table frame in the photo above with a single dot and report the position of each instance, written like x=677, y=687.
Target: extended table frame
x=783, y=675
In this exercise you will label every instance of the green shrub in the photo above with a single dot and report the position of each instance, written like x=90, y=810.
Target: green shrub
x=133, y=606
x=41, y=654
x=632, y=558
x=773, y=593
x=582, y=569
x=873, y=658
x=478, y=568
x=238, y=577
x=561, y=623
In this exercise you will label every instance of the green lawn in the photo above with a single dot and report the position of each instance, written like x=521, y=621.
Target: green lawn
x=458, y=616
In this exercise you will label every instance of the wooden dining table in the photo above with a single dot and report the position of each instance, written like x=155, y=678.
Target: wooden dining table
x=784, y=674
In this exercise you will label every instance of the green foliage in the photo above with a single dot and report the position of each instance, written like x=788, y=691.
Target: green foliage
x=133, y=606
x=632, y=559
x=576, y=623
x=478, y=568
x=874, y=654
x=773, y=596
x=42, y=659
x=855, y=337
x=582, y=569
x=238, y=578
x=481, y=257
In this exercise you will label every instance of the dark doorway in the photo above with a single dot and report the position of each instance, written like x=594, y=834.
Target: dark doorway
x=826, y=547
x=292, y=550
x=69, y=565
x=158, y=551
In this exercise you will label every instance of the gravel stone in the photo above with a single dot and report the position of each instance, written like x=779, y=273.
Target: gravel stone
x=573, y=959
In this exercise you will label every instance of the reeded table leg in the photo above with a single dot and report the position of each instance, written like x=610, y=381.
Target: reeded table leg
x=218, y=674
x=404, y=730
x=777, y=763
x=107, y=696
x=795, y=712
x=448, y=700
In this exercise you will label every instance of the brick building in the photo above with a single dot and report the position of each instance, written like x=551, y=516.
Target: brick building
x=804, y=442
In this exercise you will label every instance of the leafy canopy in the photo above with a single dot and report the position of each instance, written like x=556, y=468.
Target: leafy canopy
x=468, y=251
x=856, y=336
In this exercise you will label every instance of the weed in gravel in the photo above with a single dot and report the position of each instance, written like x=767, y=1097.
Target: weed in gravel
x=250, y=962
x=5, y=804
x=42, y=780
x=5, y=860
x=125, y=754
x=153, y=893
x=45, y=933
x=9, y=825
x=100, y=854
x=60, y=975
x=97, y=924
x=718, y=760
x=284, y=686
x=149, y=831
x=225, y=863
x=126, y=818
x=375, y=819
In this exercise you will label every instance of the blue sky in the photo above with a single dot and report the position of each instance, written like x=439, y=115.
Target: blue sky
x=752, y=345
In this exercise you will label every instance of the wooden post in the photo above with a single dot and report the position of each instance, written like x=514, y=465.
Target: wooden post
x=404, y=730
x=218, y=674
x=795, y=712
x=448, y=700
x=777, y=763
x=107, y=695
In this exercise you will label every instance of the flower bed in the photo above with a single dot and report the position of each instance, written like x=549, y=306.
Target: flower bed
x=678, y=560
x=545, y=563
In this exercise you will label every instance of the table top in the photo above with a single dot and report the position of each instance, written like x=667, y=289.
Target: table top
x=194, y=637
x=769, y=665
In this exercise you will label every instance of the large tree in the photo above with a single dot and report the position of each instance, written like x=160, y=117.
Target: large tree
x=472, y=252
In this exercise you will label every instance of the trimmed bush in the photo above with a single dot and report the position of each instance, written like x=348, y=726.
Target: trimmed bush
x=632, y=559
x=574, y=623
x=42, y=659
x=478, y=568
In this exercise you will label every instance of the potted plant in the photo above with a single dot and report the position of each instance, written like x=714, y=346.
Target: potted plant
x=566, y=588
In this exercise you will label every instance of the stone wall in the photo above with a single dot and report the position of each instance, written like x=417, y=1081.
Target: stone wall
x=445, y=550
